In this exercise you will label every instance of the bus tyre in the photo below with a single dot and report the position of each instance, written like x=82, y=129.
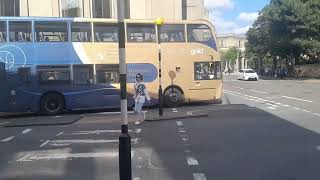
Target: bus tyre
x=52, y=104
x=173, y=97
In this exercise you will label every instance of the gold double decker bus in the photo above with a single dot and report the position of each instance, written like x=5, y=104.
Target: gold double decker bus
x=56, y=64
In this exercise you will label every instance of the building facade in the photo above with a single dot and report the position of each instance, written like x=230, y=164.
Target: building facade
x=135, y=9
x=227, y=41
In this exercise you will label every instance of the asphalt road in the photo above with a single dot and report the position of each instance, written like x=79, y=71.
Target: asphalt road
x=265, y=130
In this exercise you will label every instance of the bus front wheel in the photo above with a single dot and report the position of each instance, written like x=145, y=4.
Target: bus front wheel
x=52, y=104
x=173, y=97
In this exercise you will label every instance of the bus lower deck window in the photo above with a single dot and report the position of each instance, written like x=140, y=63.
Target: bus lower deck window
x=107, y=74
x=83, y=74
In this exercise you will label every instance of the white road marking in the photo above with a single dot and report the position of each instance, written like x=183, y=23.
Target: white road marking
x=44, y=143
x=136, y=178
x=101, y=132
x=259, y=91
x=59, y=134
x=179, y=123
x=318, y=148
x=317, y=114
x=199, y=176
x=84, y=141
x=4, y=123
x=288, y=97
x=192, y=161
x=275, y=106
x=174, y=110
x=296, y=108
x=26, y=131
x=189, y=113
x=272, y=108
x=182, y=131
x=25, y=158
x=37, y=157
x=8, y=139
x=306, y=111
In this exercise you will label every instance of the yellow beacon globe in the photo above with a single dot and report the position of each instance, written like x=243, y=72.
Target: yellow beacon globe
x=159, y=21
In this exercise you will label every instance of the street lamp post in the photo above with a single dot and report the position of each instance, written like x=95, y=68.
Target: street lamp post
x=125, y=169
x=159, y=22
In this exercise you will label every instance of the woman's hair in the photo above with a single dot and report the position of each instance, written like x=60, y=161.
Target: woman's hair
x=139, y=75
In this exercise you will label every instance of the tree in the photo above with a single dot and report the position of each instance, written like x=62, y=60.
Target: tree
x=286, y=30
x=230, y=56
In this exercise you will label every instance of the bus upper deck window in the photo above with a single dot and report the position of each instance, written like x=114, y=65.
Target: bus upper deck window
x=104, y=32
x=51, y=31
x=141, y=33
x=81, y=32
x=201, y=34
x=20, y=31
x=172, y=33
x=3, y=31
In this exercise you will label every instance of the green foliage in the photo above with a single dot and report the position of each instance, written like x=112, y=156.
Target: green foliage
x=230, y=55
x=287, y=29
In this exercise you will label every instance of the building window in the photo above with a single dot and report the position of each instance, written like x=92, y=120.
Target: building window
x=172, y=33
x=141, y=33
x=81, y=32
x=20, y=31
x=101, y=8
x=51, y=31
x=71, y=8
x=9, y=7
x=3, y=31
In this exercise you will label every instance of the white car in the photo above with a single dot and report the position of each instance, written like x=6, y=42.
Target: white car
x=247, y=74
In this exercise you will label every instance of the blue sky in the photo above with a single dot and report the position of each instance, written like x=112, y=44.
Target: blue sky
x=234, y=16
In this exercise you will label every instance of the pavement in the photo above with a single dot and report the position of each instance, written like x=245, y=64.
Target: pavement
x=265, y=130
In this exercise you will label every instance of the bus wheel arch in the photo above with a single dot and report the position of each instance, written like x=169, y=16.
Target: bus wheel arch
x=173, y=96
x=52, y=103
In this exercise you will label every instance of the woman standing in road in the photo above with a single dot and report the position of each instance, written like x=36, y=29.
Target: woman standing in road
x=141, y=95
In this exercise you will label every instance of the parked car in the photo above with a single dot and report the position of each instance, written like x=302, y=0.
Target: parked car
x=247, y=75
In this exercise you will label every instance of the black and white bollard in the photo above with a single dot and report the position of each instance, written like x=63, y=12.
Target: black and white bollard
x=125, y=169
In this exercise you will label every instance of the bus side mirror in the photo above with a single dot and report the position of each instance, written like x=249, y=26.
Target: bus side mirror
x=2, y=71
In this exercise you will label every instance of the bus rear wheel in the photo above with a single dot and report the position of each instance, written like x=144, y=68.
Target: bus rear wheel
x=173, y=97
x=52, y=104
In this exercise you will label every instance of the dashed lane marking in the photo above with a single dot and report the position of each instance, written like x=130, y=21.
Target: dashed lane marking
x=262, y=92
x=59, y=134
x=4, y=123
x=298, y=99
x=179, y=123
x=192, y=161
x=199, y=176
x=7, y=139
x=26, y=131
x=44, y=143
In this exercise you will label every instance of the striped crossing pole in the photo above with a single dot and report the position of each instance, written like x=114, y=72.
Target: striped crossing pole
x=159, y=22
x=125, y=169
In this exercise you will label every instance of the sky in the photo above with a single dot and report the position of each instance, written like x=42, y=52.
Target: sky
x=234, y=16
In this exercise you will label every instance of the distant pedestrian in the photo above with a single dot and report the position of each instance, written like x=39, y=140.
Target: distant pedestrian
x=141, y=95
x=229, y=71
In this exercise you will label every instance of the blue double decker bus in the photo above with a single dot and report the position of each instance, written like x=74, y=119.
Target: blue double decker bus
x=50, y=65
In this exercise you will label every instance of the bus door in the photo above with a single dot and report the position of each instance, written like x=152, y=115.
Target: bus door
x=4, y=90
